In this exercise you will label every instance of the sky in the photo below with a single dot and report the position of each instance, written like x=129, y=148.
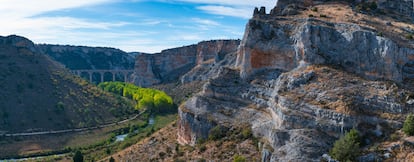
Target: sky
x=130, y=25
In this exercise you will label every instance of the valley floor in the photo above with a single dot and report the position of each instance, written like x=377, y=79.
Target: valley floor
x=163, y=146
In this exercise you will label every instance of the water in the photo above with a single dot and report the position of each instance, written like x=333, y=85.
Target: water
x=120, y=138
x=151, y=120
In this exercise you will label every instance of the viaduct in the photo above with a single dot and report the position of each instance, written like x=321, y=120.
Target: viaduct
x=126, y=74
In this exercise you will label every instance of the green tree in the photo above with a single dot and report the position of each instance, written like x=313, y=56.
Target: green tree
x=78, y=157
x=111, y=159
x=408, y=127
x=347, y=147
x=239, y=158
x=151, y=99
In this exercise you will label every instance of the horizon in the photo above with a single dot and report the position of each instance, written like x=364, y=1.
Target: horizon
x=129, y=25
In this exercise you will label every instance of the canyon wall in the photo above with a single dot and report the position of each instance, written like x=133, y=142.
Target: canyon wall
x=81, y=57
x=169, y=65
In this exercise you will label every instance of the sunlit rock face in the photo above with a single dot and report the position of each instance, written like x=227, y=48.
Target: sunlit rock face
x=170, y=65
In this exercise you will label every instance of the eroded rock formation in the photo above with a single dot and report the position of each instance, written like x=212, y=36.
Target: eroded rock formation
x=301, y=82
x=170, y=65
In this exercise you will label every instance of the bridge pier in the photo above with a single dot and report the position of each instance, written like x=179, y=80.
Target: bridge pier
x=113, y=77
x=90, y=76
x=102, y=76
x=125, y=77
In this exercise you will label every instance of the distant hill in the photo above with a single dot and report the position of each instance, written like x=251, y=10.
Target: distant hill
x=82, y=57
x=39, y=94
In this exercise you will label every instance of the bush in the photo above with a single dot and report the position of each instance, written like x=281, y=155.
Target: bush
x=239, y=158
x=409, y=36
x=247, y=132
x=78, y=157
x=216, y=133
x=347, y=147
x=111, y=159
x=314, y=9
x=203, y=148
x=408, y=127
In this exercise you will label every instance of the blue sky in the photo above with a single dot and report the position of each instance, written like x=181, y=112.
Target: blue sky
x=130, y=25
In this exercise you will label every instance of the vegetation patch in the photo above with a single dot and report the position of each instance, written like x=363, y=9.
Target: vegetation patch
x=347, y=147
x=408, y=127
x=145, y=98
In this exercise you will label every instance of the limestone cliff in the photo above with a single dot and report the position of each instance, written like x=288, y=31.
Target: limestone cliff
x=81, y=57
x=171, y=64
x=300, y=81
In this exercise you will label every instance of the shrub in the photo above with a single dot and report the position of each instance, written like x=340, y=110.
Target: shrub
x=409, y=36
x=380, y=34
x=310, y=15
x=247, y=132
x=346, y=148
x=408, y=127
x=394, y=137
x=239, y=158
x=111, y=159
x=78, y=157
x=216, y=133
x=314, y=9
x=322, y=15
x=203, y=148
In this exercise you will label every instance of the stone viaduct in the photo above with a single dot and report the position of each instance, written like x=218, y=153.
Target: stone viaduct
x=126, y=74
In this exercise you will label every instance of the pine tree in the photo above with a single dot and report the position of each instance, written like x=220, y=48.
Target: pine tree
x=78, y=157
x=347, y=147
x=408, y=127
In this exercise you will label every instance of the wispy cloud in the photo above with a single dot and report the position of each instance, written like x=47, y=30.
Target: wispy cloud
x=235, y=8
x=25, y=8
x=87, y=22
x=205, y=22
x=227, y=11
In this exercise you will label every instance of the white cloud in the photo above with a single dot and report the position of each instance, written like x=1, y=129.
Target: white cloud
x=206, y=22
x=227, y=11
x=254, y=3
x=25, y=8
x=235, y=8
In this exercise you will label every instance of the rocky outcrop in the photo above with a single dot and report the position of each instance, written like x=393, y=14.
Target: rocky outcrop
x=404, y=7
x=300, y=83
x=170, y=65
x=81, y=57
x=355, y=48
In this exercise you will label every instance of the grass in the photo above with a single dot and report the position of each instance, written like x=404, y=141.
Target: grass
x=98, y=144
x=162, y=120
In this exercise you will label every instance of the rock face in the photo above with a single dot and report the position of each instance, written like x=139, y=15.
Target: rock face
x=404, y=7
x=81, y=57
x=170, y=65
x=352, y=47
x=302, y=82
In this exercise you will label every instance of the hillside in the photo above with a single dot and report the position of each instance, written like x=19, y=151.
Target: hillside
x=38, y=94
